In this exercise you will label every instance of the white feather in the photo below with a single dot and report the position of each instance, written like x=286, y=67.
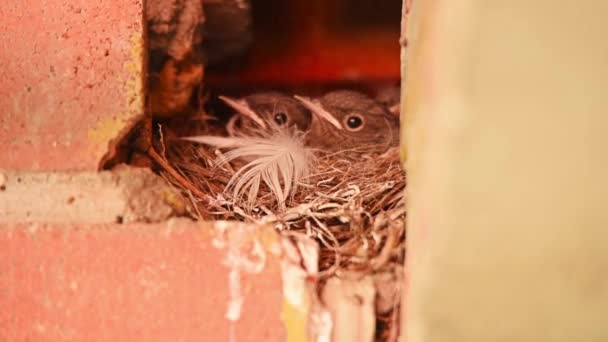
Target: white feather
x=281, y=162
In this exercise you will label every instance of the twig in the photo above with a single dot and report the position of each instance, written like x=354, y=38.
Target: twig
x=162, y=141
x=178, y=177
x=193, y=200
x=383, y=257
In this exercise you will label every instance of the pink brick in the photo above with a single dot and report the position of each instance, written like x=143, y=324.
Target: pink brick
x=165, y=282
x=71, y=79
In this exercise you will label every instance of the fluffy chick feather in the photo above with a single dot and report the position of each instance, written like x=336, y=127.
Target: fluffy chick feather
x=281, y=162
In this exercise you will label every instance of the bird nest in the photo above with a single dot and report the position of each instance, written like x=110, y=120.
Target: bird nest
x=351, y=202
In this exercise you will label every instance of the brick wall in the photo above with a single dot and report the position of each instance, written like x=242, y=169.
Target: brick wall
x=72, y=75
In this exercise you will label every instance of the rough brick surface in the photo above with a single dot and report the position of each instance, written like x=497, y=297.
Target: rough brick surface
x=166, y=282
x=71, y=79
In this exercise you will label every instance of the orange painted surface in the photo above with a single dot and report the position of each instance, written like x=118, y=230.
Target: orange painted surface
x=297, y=44
x=163, y=282
x=373, y=57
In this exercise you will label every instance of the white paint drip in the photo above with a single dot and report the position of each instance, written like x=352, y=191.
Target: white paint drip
x=296, y=290
x=323, y=324
x=236, y=298
x=238, y=261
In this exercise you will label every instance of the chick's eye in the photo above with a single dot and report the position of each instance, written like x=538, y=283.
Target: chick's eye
x=280, y=118
x=353, y=122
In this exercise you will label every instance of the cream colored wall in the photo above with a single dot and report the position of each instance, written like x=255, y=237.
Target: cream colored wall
x=507, y=137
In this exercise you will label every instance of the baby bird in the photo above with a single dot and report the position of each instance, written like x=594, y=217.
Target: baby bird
x=264, y=113
x=390, y=97
x=348, y=120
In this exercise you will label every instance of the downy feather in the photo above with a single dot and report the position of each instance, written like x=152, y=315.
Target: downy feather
x=281, y=162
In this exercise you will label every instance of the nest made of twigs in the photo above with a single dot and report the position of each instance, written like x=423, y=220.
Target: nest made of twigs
x=352, y=203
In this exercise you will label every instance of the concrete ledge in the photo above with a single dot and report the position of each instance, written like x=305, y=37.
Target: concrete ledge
x=123, y=195
x=175, y=281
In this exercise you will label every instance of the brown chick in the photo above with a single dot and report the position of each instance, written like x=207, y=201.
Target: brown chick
x=264, y=113
x=347, y=120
